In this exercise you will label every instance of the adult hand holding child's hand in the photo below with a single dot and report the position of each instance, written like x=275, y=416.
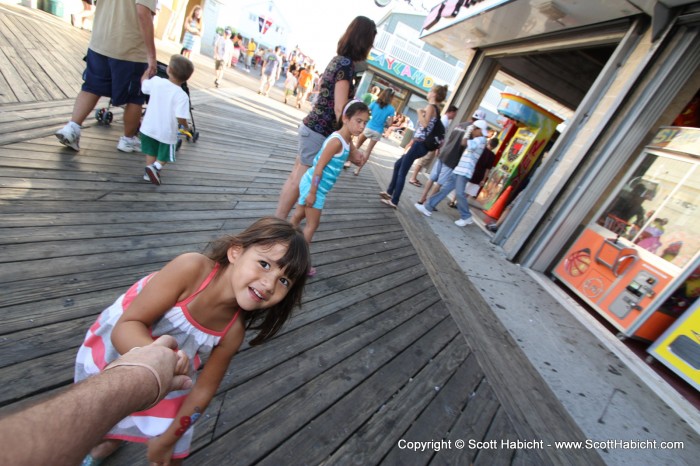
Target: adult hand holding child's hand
x=169, y=367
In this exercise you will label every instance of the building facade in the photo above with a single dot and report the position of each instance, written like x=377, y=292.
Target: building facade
x=612, y=214
x=403, y=62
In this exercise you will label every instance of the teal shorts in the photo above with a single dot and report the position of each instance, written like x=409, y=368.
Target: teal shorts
x=162, y=152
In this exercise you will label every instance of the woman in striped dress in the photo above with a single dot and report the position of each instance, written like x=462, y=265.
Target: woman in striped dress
x=193, y=31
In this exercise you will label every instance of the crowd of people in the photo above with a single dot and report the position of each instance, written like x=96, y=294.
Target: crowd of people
x=250, y=281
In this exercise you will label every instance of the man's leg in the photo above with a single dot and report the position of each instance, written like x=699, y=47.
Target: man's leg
x=461, y=195
x=132, y=119
x=84, y=105
x=445, y=189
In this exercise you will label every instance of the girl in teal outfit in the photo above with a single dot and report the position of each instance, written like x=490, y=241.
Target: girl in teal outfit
x=327, y=165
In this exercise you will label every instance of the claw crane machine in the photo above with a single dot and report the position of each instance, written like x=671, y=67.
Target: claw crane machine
x=643, y=246
x=528, y=129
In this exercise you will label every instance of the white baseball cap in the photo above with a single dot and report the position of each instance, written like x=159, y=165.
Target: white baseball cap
x=482, y=125
x=479, y=115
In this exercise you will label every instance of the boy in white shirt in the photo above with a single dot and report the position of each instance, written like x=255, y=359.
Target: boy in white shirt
x=168, y=107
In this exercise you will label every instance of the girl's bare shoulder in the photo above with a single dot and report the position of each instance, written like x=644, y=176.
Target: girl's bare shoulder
x=190, y=264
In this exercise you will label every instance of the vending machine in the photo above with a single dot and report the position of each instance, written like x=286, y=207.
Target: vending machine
x=643, y=246
x=679, y=346
x=530, y=130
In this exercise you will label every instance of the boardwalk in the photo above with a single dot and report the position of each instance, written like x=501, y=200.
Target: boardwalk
x=376, y=354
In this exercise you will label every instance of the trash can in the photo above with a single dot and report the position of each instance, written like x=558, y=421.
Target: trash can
x=407, y=136
x=55, y=7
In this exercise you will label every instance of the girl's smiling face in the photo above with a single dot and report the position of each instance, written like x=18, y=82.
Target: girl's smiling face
x=257, y=280
x=356, y=123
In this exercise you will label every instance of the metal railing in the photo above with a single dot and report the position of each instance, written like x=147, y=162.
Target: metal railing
x=411, y=52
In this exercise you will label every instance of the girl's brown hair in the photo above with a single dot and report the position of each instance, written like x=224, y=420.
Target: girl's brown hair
x=385, y=96
x=269, y=231
x=358, y=39
x=191, y=17
x=440, y=92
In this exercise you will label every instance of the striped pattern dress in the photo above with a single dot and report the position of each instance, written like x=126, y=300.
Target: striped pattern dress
x=195, y=340
x=330, y=173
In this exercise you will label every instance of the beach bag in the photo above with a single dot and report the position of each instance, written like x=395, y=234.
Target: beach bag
x=436, y=137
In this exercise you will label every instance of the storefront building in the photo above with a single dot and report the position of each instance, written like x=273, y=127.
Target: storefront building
x=613, y=213
x=406, y=64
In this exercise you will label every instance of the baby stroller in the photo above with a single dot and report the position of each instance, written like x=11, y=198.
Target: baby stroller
x=104, y=116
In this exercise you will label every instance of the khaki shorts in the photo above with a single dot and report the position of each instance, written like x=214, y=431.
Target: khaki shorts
x=427, y=160
x=372, y=134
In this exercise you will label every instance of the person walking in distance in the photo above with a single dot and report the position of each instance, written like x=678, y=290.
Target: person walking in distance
x=271, y=68
x=382, y=112
x=460, y=177
x=449, y=156
x=427, y=118
x=427, y=160
x=250, y=52
x=121, y=52
x=223, y=54
x=335, y=90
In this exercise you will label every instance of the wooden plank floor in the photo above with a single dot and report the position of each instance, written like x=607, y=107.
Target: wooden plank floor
x=373, y=356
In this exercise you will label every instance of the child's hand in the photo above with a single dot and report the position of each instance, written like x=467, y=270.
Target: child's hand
x=310, y=200
x=357, y=157
x=159, y=451
x=183, y=364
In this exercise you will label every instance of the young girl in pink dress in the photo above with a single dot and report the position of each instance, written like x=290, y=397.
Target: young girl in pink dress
x=251, y=280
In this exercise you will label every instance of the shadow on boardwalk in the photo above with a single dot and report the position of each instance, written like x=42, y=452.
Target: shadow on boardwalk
x=372, y=357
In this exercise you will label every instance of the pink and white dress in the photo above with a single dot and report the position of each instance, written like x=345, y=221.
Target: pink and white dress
x=195, y=340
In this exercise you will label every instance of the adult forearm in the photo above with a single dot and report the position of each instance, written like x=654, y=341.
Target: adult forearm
x=76, y=419
x=146, y=25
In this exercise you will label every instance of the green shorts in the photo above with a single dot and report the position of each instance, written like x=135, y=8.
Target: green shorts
x=161, y=151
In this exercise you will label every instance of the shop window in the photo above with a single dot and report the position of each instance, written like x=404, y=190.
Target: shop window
x=658, y=208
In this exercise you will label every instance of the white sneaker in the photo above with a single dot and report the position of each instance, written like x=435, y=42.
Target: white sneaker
x=153, y=174
x=132, y=144
x=146, y=178
x=463, y=222
x=69, y=136
x=421, y=208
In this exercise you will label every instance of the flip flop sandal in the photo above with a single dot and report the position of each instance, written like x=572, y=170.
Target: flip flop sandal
x=90, y=461
x=416, y=183
x=385, y=195
x=311, y=272
x=389, y=203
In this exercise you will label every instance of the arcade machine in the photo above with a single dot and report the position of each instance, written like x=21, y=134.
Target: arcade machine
x=679, y=346
x=643, y=247
x=526, y=134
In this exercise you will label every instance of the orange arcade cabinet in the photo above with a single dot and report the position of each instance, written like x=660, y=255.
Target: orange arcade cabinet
x=643, y=246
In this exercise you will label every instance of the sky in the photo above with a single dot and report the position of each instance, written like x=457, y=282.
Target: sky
x=318, y=24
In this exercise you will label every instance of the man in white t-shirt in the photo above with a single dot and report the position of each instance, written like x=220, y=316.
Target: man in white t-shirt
x=120, y=53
